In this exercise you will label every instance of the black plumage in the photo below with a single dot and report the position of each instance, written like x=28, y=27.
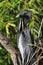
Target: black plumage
x=24, y=36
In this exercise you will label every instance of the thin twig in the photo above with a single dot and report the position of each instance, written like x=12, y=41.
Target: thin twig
x=37, y=50
x=37, y=60
x=40, y=28
x=35, y=46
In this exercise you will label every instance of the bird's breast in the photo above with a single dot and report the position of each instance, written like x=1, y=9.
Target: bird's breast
x=21, y=46
x=20, y=43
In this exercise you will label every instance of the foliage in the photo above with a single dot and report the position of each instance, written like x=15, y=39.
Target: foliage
x=9, y=13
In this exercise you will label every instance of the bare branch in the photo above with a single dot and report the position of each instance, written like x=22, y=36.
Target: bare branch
x=6, y=44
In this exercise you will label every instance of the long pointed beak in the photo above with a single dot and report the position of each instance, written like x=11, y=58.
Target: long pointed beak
x=21, y=25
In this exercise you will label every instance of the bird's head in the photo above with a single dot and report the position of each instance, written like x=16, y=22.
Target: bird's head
x=24, y=18
x=25, y=15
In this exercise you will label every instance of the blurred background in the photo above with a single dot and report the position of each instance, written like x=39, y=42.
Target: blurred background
x=9, y=19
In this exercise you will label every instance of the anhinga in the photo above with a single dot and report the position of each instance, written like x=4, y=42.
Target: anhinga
x=24, y=36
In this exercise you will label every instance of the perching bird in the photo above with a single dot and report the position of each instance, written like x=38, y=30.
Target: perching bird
x=24, y=36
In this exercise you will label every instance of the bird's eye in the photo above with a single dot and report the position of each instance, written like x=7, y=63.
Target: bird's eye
x=21, y=16
x=26, y=17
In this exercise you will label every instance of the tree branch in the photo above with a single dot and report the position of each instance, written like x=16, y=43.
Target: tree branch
x=6, y=44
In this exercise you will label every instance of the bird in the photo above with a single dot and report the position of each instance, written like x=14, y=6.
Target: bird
x=24, y=36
